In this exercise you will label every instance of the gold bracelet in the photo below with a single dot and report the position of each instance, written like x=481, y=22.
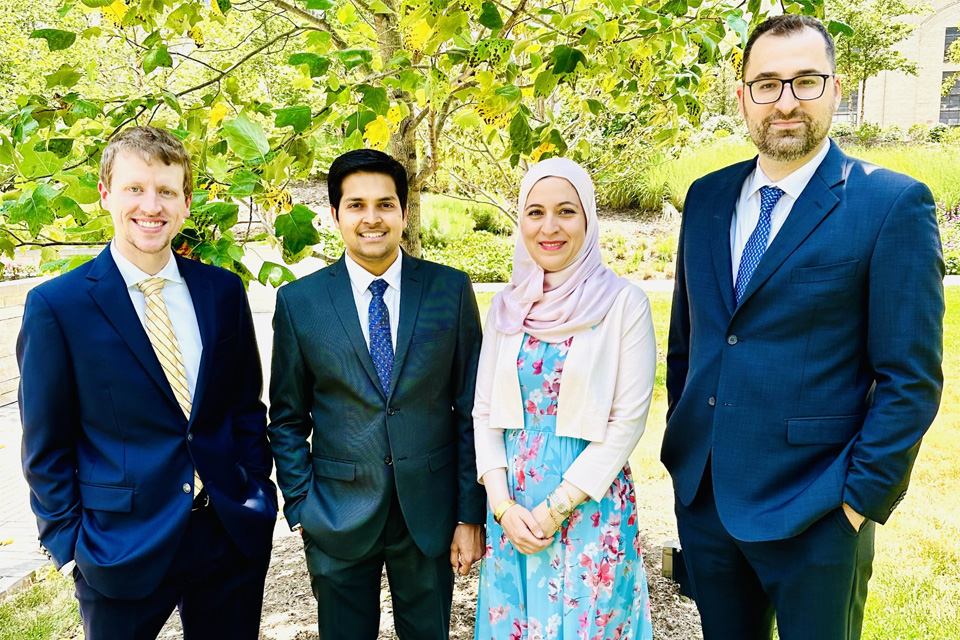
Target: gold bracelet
x=502, y=509
x=550, y=509
x=569, y=498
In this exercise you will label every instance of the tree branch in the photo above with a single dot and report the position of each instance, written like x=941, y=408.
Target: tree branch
x=490, y=200
x=512, y=20
x=315, y=20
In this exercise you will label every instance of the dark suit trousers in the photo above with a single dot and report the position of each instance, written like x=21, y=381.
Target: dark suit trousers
x=348, y=591
x=218, y=590
x=814, y=583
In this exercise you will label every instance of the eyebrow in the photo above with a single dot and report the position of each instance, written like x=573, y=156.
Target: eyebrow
x=381, y=199
x=773, y=74
x=568, y=202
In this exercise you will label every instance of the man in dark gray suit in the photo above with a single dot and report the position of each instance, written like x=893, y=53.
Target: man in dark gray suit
x=374, y=367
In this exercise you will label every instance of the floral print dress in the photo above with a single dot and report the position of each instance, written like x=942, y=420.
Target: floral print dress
x=590, y=583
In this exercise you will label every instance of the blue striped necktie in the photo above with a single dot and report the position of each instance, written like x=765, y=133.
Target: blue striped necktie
x=757, y=242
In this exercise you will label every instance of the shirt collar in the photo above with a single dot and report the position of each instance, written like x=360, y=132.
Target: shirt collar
x=134, y=275
x=360, y=278
x=794, y=184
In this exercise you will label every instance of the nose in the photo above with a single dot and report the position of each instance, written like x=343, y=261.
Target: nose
x=549, y=224
x=787, y=102
x=150, y=203
x=371, y=215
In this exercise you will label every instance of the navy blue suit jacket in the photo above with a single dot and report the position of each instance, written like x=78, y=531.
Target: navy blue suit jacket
x=818, y=387
x=107, y=450
x=343, y=447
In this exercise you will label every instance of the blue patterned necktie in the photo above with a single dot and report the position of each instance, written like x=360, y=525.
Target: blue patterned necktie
x=757, y=242
x=381, y=346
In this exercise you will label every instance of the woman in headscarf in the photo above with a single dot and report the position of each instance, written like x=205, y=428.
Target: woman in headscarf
x=563, y=388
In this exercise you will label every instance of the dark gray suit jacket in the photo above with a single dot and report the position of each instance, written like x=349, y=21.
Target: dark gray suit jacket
x=342, y=447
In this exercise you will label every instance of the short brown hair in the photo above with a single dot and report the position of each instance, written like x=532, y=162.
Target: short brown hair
x=152, y=145
x=786, y=25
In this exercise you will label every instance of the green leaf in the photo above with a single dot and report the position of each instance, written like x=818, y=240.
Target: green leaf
x=545, y=83
x=63, y=207
x=358, y=121
x=319, y=5
x=33, y=208
x=65, y=76
x=82, y=188
x=352, y=58
x=172, y=102
x=223, y=214
x=380, y=7
x=246, y=138
x=739, y=25
x=56, y=39
x=86, y=109
x=347, y=14
x=6, y=248
x=38, y=163
x=297, y=117
x=274, y=274
x=565, y=59
x=521, y=137
x=835, y=28
x=218, y=253
x=676, y=7
x=60, y=147
x=490, y=17
x=595, y=106
x=317, y=64
x=94, y=4
x=375, y=99
x=152, y=40
x=225, y=5
x=297, y=230
x=158, y=57
x=244, y=183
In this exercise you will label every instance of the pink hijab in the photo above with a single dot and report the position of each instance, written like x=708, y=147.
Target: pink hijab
x=552, y=306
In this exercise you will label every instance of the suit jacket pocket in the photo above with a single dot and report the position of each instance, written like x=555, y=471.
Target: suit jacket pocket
x=825, y=430
x=334, y=469
x=825, y=272
x=433, y=336
x=441, y=457
x=106, y=498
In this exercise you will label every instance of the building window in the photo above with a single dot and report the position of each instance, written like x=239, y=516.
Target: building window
x=953, y=33
x=950, y=103
x=848, y=109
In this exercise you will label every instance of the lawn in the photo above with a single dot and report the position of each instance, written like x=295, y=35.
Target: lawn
x=915, y=590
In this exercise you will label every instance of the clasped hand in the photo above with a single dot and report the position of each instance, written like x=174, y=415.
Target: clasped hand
x=530, y=532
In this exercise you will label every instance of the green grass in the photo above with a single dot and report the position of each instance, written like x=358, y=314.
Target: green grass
x=46, y=610
x=938, y=166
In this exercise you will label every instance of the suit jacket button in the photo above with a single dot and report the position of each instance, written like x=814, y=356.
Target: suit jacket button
x=711, y=401
x=187, y=488
x=731, y=340
x=189, y=437
x=391, y=411
x=388, y=461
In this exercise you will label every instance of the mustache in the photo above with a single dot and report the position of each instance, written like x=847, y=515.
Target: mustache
x=796, y=114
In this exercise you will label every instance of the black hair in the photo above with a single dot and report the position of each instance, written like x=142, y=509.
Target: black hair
x=786, y=25
x=365, y=161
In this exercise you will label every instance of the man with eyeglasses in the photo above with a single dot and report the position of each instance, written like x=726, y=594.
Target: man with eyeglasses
x=804, y=359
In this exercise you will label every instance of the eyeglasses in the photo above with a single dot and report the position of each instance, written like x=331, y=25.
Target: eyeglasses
x=769, y=90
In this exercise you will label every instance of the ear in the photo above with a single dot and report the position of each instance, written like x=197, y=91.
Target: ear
x=837, y=92
x=333, y=213
x=741, y=89
x=188, y=200
x=104, y=192
x=405, y=211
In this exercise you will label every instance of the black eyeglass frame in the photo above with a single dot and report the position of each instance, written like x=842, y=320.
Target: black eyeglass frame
x=789, y=81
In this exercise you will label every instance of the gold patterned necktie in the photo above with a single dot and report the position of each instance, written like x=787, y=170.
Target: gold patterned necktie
x=165, y=345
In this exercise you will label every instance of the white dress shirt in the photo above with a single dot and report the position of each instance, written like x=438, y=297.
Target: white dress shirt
x=360, y=279
x=747, y=212
x=176, y=295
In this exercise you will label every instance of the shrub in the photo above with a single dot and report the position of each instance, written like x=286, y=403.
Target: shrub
x=842, y=129
x=918, y=132
x=868, y=131
x=952, y=261
x=486, y=257
x=938, y=132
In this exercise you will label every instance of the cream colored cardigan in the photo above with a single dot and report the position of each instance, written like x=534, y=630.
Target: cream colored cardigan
x=604, y=397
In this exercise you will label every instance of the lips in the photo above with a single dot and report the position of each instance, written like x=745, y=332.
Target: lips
x=373, y=235
x=150, y=225
x=552, y=246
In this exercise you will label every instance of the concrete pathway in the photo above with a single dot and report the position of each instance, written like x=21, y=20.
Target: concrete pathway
x=20, y=555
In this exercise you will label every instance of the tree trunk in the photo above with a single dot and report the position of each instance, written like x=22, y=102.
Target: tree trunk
x=860, y=102
x=403, y=141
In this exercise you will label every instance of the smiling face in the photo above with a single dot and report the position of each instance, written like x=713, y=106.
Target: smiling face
x=148, y=207
x=553, y=224
x=370, y=220
x=789, y=131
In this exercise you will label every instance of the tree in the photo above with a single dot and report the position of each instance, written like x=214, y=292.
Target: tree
x=257, y=89
x=867, y=46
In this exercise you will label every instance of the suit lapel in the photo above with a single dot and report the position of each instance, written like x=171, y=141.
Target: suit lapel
x=341, y=296
x=109, y=291
x=814, y=204
x=725, y=204
x=411, y=289
x=204, y=305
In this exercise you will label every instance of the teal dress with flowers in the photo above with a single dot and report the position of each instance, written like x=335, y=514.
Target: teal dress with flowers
x=590, y=583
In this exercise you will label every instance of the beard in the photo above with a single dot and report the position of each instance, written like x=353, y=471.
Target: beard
x=786, y=146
